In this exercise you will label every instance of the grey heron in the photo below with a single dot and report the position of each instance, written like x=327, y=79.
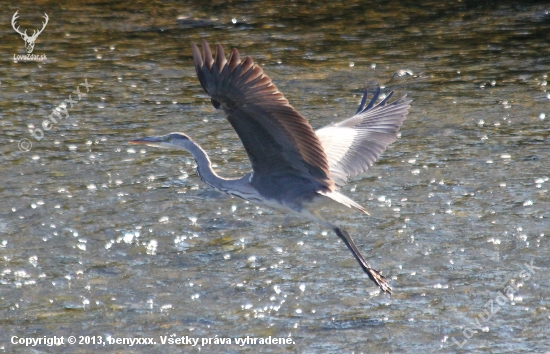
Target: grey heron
x=294, y=168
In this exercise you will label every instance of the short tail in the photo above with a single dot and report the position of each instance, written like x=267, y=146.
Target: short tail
x=342, y=199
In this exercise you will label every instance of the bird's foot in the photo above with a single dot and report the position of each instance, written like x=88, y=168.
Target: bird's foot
x=380, y=280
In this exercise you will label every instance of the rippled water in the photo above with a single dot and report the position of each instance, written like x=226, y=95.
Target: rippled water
x=99, y=238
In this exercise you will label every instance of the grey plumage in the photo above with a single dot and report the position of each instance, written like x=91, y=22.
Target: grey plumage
x=294, y=168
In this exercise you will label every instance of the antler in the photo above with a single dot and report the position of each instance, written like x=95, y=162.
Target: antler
x=35, y=34
x=13, y=19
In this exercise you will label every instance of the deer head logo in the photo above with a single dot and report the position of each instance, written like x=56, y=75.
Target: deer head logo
x=29, y=41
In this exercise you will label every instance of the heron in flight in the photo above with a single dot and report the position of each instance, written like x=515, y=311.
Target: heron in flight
x=294, y=168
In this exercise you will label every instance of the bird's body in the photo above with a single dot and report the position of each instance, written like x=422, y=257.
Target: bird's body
x=294, y=168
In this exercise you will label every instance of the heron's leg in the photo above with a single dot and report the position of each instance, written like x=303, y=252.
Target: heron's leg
x=373, y=274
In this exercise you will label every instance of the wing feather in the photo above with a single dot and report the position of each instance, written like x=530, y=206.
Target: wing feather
x=352, y=146
x=277, y=139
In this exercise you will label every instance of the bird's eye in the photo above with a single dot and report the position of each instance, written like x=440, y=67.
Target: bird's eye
x=168, y=139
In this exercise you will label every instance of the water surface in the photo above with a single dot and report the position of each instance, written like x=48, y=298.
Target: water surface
x=101, y=238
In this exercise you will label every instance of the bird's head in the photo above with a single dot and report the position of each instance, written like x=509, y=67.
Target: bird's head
x=172, y=140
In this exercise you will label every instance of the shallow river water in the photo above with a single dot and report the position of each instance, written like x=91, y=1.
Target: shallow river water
x=103, y=240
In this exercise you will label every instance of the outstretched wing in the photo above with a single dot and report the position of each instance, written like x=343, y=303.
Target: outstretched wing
x=277, y=139
x=353, y=145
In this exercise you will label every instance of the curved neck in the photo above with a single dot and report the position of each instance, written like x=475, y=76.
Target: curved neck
x=207, y=174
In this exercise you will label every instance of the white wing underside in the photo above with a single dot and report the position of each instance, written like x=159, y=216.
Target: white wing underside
x=352, y=146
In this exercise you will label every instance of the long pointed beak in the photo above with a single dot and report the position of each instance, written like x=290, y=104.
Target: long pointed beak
x=149, y=141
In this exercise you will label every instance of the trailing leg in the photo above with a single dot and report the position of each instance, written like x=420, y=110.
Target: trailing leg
x=373, y=274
